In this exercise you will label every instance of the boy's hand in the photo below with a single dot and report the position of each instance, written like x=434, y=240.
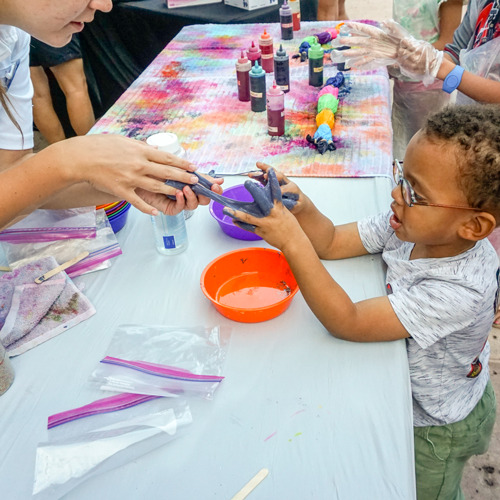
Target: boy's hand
x=280, y=228
x=287, y=187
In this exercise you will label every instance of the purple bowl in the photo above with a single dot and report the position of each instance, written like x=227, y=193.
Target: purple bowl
x=119, y=221
x=239, y=193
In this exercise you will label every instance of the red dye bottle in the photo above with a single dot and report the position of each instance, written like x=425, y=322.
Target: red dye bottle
x=254, y=55
x=295, y=6
x=275, y=111
x=266, y=49
x=243, y=66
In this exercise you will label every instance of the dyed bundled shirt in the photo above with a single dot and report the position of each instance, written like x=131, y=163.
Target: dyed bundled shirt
x=447, y=305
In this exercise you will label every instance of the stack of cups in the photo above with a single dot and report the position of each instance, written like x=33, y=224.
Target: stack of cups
x=6, y=371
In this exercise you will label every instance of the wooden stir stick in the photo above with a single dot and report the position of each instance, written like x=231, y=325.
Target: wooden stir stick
x=62, y=267
x=251, y=485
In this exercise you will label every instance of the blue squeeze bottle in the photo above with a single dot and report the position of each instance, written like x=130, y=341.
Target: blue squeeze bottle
x=257, y=89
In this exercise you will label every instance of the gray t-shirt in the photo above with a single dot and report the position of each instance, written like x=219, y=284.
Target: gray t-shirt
x=447, y=305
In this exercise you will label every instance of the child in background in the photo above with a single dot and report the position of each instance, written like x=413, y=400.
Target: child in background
x=442, y=281
x=434, y=21
x=66, y=64
x=331, y=10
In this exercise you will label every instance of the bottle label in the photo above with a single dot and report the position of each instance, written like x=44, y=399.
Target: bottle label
x=287, y=25
x=319, y=69
x=256, y=94
x=272, y=129
x=283, y=87
x=169, y=241
x=267, y=56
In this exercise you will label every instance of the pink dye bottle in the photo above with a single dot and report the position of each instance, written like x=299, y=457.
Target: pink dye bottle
x=243, y=66
x=254, y=55
x=266, y=49
x=275, y=111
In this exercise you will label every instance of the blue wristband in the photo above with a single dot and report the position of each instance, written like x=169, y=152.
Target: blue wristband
x=453, y=79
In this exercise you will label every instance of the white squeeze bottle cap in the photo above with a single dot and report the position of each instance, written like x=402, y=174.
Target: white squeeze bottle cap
x=166, y=141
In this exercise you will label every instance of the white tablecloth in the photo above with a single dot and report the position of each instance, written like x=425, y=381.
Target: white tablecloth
x=339, y=413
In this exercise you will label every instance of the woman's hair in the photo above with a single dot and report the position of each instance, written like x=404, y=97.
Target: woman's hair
x=6, y=105
x=475, y=131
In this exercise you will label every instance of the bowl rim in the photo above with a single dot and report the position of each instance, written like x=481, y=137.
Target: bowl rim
x=213, y=202
x=239, y=309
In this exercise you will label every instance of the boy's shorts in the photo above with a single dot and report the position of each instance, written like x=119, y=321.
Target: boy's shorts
x=442, y=451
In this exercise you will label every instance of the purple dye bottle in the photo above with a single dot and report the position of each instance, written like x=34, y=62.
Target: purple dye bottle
x=275, y=111
x=282, y=69
x=286, y=21
x=243, y=66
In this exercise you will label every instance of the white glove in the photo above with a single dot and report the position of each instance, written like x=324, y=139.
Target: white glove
x=388, y=45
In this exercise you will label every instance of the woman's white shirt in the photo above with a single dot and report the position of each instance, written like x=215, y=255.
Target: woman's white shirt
x=15, y=78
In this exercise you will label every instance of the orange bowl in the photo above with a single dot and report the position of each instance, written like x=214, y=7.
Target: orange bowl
x=249, y=285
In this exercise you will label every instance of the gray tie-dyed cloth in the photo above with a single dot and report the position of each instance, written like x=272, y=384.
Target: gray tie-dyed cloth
x=30, y=313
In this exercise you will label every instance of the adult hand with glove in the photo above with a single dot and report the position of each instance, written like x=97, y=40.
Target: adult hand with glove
x=387, y=45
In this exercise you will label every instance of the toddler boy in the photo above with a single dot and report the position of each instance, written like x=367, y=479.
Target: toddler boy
x=442, y=281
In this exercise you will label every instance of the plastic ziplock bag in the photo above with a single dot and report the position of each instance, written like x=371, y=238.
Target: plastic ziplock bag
x=51, y=225
x=101, y=248
x=101, y=436
x=164, y=360
x=484, y=61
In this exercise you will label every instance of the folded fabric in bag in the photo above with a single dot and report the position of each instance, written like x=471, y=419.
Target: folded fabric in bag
x=102, y=247
x=30, y=313
x=101, y=436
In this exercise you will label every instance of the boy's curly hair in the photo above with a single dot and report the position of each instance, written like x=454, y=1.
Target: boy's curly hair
x=475, y=130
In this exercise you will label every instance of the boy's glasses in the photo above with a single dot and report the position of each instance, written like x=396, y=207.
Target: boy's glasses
x=408, y=193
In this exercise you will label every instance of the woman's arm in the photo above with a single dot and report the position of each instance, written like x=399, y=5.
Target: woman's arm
x=92, y=170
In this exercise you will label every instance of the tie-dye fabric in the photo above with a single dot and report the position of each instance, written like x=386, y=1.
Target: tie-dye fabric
x=190, y=89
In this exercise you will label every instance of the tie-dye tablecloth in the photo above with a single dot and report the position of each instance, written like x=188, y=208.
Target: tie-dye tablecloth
x=190, y=89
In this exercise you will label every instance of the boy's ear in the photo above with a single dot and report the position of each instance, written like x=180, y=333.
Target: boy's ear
x=478, y=226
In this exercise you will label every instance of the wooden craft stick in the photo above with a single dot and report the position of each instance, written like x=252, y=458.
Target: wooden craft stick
x=62, y=267
x=251, y=485
x=5, y=268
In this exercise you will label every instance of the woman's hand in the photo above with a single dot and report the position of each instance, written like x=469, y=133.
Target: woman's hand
x=130, y=170
x=185, y=199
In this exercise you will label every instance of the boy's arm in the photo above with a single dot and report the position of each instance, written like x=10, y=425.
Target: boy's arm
x=450, y=15
x=371, y=320
x=329, y=242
